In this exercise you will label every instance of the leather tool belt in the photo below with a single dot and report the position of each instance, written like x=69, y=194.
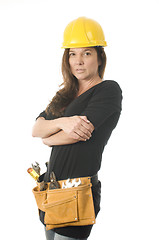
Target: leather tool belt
x=67, y=206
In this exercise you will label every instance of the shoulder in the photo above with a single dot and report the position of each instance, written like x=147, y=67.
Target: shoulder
x=109, y=86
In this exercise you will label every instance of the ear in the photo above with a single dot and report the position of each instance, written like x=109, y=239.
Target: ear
x=99, y=62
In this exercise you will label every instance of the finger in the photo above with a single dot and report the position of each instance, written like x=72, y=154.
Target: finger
x=85, y=119
x=82, y=134
x=92, y=126
x=89, y=126
x=76, y=136
x=84, y=130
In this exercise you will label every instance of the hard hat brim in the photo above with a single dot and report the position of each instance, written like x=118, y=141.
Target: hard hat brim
x=77, y=45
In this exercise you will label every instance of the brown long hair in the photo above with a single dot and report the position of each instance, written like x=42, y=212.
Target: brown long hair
x=64, y=96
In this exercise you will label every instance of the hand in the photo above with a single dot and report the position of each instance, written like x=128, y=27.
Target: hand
x=47, y=141
x=78, y=127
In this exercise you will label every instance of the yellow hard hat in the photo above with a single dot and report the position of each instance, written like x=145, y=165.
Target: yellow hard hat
x=83, y=32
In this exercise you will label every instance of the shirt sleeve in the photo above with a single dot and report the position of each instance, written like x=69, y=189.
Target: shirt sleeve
x=46, y=116
x=42, y=114
x=105, y=101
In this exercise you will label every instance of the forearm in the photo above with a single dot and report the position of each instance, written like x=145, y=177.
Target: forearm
x=45, y=128
x=60, y=138
x=75, y=128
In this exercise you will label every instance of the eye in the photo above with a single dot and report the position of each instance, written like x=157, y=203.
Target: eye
x=71, y=54
x=87, y=53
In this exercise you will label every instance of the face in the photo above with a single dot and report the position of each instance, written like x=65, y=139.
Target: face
x=84, y=63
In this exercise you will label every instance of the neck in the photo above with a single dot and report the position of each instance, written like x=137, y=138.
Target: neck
x=84, y=85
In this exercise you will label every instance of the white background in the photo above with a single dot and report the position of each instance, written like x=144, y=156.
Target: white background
x=30, y=73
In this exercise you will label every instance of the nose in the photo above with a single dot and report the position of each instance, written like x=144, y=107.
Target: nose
x=79, y=60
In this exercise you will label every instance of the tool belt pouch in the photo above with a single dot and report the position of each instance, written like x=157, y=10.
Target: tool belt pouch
x=40, y=196
x=67, y=207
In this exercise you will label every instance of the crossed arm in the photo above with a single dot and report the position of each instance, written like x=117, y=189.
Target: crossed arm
x=64, y=130
x=60, y=138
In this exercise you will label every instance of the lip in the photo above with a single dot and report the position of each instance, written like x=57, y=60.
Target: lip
x=80, y=70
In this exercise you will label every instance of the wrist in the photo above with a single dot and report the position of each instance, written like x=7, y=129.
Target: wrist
x=47, y=141
x=59, y=122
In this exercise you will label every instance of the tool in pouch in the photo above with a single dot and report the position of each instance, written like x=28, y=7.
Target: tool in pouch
x=36, y=168
x=35, y=173
x=70, y=184
x=53, y=183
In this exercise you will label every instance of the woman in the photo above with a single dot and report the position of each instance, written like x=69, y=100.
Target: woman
x=81, y=116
